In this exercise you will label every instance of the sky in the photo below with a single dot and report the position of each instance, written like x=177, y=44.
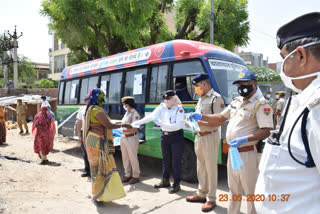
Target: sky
x=265, y=17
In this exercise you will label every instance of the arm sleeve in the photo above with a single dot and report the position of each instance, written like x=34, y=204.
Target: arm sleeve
x=135, y=116
x=226, y=112
x=179, y=121
x=79, y=115
x=264, y=116
x=218, y=105
x=313, y=126
x=149, y=117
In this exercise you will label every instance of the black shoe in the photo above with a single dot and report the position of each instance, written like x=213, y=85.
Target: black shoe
x=85, y=174
x=175, y=188
x=164, y=183
x=44, y=162
x=27, y=132
x=21, y=132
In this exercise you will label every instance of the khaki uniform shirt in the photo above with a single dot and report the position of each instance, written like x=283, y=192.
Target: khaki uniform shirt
x=130, y=116
x=204, y=106
x=21, y=109
x=247, y=117
x=280, y=104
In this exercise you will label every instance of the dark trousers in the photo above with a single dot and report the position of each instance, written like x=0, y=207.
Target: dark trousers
x=85, y=157
x=172, y=147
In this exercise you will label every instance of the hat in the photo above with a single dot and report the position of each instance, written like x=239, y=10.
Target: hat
x=19, y=99
x=307, y=25
x=280, y=92
x=245, y=75
x=199, y=78
x=126, y=99
x=87, y=97
x=43, y=97
x=168, y=93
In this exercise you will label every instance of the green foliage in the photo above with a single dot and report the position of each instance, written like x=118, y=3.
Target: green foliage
x=45, y=83
x=264, y=74
x=92, y=28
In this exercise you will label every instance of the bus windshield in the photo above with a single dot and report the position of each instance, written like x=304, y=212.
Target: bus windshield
x=225, y=73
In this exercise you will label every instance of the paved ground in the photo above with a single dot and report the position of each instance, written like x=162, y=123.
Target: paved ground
x=27, y=187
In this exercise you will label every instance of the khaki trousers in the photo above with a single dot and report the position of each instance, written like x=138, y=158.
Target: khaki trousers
x=206, y=149
x=22, y=121
x=243, y=179
x=129, y=151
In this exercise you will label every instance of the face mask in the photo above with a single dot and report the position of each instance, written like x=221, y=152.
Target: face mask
x=245, y=90
x=268, y=96
x=288, y=80
x=125, y=108
x=277, y=97
x=198, y=90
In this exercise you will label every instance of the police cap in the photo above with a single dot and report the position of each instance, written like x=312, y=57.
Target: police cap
x=199, y=78
x=245, y=75
x=280, y=92
x=168, y=93
x=307, y=25
x=127, y=100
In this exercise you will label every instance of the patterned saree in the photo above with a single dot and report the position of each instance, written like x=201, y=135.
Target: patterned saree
x=105, y=179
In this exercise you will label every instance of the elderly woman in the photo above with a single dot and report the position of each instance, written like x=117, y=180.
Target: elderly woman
x=43, y=129
x=97, y=131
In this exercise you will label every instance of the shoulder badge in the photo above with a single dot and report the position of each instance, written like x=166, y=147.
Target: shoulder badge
x=314, y=102
x=137, y=117
x=266, y=111
x=181, y=110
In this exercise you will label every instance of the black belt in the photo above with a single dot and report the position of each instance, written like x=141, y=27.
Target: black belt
x=171, y=133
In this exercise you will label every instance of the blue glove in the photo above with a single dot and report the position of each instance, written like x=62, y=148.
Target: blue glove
x=238, y=141
x=195, y=116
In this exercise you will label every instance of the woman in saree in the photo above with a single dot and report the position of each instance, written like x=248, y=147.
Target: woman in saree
x=43, y=129
x=3, y=130
x=97, y=131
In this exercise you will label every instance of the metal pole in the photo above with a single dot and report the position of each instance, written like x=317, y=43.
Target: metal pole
x=15, y=62
x=5, y=70
x=212, y=23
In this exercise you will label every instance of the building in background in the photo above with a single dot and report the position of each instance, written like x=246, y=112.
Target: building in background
x=275, y=66
x=254, y=59
x=58, y=57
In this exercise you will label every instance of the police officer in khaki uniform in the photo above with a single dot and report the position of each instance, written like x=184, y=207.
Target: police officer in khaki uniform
x=21, y=110
x=281, y=102
x=206, y=144
x=129, y=143
x=250, y=120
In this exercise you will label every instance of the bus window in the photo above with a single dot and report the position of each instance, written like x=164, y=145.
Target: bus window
x=74, y=92
x=183, y=73
x=115, y=88
x=158, y=83
x=93, y=83
x=135, y=84
x=67, y=92
x=61, y=92
x=105, y=82
x=84, y=89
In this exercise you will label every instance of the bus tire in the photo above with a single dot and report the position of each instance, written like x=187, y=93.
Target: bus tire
x=189, y=163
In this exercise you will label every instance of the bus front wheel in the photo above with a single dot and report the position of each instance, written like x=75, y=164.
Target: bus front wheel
x=189, y=163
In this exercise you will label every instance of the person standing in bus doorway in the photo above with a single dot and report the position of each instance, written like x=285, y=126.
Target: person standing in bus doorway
x=80, y=121
x=290, y=163
x=250, y=120
x=279, y=107
x=129, y=143
x=206, y=144
x=21, y=110
x=170, y=117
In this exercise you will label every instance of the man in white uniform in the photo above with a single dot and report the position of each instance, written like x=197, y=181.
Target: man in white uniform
x=80, y=119
x=290, y=165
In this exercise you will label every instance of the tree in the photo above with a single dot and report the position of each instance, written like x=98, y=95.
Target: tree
x=264, y=74
x=92, y=29
x=45, y=83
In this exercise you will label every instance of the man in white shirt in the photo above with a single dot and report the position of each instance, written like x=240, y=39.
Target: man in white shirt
x=80, y=119
x=289, y=176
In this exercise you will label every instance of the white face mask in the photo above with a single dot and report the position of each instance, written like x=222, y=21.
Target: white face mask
x=268, y=96
x=277, y=96
x=125, y=108
x=288, y=80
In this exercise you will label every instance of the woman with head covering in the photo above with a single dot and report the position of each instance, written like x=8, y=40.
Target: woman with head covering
x=97, y=131
x=170, y=117
x=43, y=129
x=129, y=143
x=3, y=130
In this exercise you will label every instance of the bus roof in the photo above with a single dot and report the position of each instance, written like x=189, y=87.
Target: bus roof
x=162, y=52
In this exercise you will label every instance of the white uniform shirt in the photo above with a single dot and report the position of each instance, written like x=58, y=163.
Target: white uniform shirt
x=280, y=174
x=45, y=103
x=171, y=119
x=81, y=113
